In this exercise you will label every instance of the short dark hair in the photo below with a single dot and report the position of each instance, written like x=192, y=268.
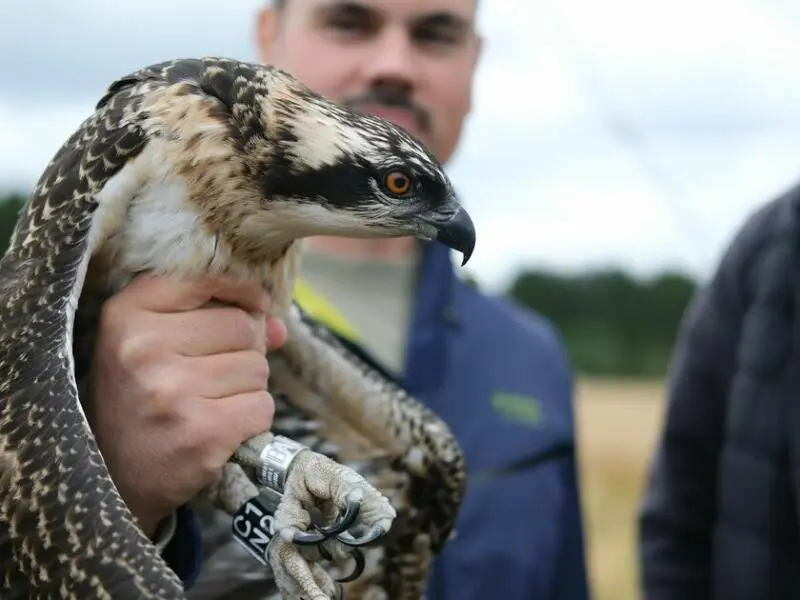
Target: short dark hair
x=281, y=4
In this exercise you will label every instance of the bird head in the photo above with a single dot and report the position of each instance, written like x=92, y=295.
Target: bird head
x=351, y=174
x=311, y=167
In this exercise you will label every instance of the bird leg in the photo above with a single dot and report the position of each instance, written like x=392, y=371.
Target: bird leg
x=301, y=488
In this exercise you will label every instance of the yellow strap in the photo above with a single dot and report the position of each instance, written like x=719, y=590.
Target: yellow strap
x=322, y=310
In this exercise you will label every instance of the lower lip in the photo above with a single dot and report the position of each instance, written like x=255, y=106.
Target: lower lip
x=403, y=118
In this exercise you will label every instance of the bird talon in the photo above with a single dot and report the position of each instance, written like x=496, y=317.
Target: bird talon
x=372, y=535
x=322, y=533
x=361, y=565
x=344, y=522
x=305, y=538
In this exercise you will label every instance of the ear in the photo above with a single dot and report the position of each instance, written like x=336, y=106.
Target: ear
x=266, y=32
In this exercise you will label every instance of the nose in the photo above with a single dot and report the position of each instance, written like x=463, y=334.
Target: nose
x=393, y=61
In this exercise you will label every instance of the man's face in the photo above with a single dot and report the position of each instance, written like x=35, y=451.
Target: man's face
x=409, y=61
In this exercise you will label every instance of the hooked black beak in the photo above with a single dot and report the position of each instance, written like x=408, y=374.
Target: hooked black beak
x=459, y=234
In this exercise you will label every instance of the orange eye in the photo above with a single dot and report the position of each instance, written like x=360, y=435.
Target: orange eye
x=397, y=182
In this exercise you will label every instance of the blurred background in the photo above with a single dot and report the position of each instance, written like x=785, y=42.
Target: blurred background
x=614, y=149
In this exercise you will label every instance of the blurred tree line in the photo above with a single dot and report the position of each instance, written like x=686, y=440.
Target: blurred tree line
x=612, y=323
x=10, y=205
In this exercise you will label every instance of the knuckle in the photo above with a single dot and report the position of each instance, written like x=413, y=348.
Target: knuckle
x=166, y=388
x=118, y=337
x=138, y=348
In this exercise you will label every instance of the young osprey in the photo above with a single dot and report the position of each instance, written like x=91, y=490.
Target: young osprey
x=195, y=167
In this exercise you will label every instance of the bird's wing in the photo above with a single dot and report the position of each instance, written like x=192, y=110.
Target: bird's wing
x=65, y=522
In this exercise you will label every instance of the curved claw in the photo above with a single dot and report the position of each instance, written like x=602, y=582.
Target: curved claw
x=344, y=522
x=304, y=538
x=372, y=535
x=361, y=564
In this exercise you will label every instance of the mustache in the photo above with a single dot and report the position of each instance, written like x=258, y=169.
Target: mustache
x=391, y=98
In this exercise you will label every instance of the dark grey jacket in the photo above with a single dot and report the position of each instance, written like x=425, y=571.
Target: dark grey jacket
x=720, y=512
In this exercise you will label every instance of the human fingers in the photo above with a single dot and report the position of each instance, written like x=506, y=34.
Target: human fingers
x=140, y=338
x=222, y=375
x=215, y=330
x=250, y=414
x=167, y=295
x=228, y=423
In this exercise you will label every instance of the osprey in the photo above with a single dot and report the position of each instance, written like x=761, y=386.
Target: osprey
x=215, y=166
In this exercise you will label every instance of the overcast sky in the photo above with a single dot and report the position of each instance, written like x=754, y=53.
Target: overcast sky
x=619, y=132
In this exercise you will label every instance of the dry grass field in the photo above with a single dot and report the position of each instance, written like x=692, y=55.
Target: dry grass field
x=618, y=422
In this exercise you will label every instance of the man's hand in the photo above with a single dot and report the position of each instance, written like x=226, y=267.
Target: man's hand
x=176, y=388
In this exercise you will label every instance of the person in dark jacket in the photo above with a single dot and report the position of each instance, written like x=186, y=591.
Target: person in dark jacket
x=719, y=517
x=497, y=374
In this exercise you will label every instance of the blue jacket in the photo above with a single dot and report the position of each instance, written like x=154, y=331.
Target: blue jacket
x=499, y=376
